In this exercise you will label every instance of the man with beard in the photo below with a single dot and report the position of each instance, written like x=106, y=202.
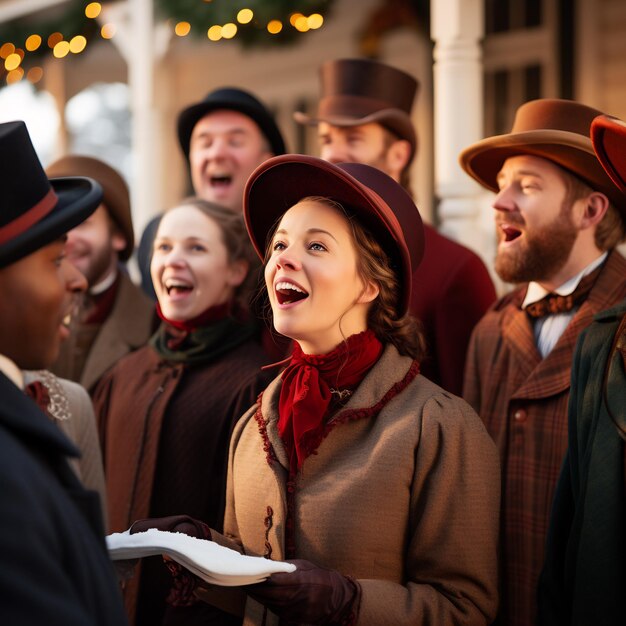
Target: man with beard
x=114, y=316
x=364, y=116
x=558, y=219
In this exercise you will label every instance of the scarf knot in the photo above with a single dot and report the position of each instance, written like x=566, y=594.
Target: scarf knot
x=205, y=338
x=311, y=382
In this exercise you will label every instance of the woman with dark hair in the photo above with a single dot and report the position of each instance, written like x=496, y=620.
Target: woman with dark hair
x=380, y=486
x=166, y=412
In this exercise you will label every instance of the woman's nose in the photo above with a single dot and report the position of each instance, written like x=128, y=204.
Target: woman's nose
x=174, y=258
x=288, y=259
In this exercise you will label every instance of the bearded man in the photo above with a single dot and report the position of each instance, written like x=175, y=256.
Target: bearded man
x=558, y=219
x=114, y=316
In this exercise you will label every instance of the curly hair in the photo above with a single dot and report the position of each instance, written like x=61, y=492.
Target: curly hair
x=374, y=265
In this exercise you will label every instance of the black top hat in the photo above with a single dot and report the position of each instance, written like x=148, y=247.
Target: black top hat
x=377, y=200
x=34, y=211
x=233, y=99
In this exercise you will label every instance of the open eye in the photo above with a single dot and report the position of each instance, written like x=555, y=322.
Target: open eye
x=162, y=246
x=278, y=245
x=317, y=246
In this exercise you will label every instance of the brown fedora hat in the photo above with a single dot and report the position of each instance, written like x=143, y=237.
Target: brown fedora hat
x=608, y=136
x=377, y=201
x=557, y=130
x=116, y=197
x=362, y=91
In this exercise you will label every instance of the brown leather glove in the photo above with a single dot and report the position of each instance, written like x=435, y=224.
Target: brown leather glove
x=310, y=595
x=184, y=582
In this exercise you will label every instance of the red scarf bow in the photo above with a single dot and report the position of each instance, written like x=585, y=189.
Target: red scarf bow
x=306, y=393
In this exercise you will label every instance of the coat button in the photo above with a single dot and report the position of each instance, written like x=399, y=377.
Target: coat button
x=520, y=415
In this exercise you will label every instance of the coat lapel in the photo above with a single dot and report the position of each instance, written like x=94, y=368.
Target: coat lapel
x=126, y=329
x=518, y=336
x=551, y=376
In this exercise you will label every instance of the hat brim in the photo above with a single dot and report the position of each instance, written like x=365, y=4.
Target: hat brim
x=280, y=183
x=78, y=198
x=608, y=136
x=190, y=116
x=571, y=151
x=395, y=120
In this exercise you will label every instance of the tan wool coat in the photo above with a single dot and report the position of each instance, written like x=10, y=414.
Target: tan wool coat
x=403, y=495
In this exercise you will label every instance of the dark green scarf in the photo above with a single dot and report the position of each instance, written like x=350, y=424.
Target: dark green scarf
x=204, y=344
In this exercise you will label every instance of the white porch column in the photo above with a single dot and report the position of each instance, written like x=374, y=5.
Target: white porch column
x=457, y=27
x=142, y=43
x=141, y=81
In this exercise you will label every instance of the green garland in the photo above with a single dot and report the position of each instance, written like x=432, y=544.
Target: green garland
x=201, y=15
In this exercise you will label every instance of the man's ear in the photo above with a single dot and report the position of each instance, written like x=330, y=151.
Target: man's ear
x=118, y=241
x=596, y=206
x=398, y=156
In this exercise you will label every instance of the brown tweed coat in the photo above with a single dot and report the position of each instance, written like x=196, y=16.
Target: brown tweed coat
x=522, y=399
x=403, y=495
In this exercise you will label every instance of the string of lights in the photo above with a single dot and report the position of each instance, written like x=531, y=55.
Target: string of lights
x=26, y=42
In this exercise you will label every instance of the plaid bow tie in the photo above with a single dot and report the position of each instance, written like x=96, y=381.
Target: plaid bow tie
x=552, y=303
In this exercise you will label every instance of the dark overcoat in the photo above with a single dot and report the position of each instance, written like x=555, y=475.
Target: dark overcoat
x=584, y=575
x=54, y=568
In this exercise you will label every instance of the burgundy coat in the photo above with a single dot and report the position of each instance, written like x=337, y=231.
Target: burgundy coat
x=522, y=399
x=451, y=291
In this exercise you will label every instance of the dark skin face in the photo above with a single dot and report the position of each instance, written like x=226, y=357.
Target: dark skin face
x=37, y=292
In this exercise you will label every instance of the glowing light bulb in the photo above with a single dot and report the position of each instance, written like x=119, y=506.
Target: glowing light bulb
x=274, y=27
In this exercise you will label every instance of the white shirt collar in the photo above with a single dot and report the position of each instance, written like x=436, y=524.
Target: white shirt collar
x=11, y=371
x=536, y=292
x=104, y=284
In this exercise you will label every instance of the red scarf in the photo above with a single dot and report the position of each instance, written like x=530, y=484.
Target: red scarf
x=306, y=394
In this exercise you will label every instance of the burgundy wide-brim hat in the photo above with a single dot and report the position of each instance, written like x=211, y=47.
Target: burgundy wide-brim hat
x=557, y=130
x=35, y=211
x=362, y=91
x=231, y=99
x=376, y=200
x=116, y=196
x=608, y=136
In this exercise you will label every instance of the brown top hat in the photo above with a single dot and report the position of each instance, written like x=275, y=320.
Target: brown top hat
x=361, y=91
x=608, y=136
x=557, y=130
x=116, y=197
x=35, y=211
x=376, y=200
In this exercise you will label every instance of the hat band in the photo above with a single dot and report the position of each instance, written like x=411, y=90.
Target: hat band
x=26, y=220
x=353, y=106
